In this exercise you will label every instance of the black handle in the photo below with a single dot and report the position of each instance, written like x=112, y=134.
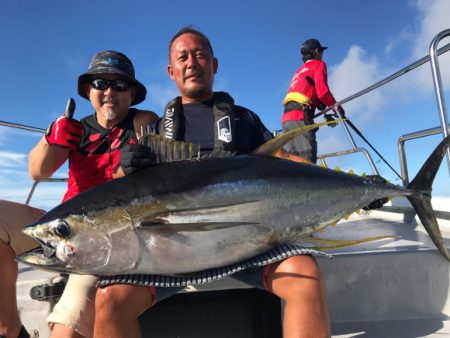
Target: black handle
x=70, y=109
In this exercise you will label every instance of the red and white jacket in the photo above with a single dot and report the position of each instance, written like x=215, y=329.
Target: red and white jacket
x=309, y=87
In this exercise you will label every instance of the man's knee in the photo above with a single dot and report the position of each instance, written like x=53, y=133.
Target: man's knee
x=296, y=277
x=107, y=300
x=112, y=300
x=302, y=266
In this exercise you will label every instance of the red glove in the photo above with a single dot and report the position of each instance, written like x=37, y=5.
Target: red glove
x=64, y=132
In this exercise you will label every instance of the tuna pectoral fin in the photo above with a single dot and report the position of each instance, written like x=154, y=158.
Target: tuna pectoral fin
x=331, y=244
x=271, y=147
x=420, y=197
x=188, y=227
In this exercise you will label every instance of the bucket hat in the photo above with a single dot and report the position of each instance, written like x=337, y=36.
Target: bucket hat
x=111, y=62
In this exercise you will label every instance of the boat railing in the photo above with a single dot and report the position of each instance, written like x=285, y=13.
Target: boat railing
x=433, y=58
x=36, y=130
x=401, y=148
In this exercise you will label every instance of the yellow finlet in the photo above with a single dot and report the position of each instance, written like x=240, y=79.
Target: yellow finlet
x=331, y=244
x=271, y=147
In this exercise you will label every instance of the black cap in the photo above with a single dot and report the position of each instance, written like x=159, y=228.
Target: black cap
x=310, y=45
x=111, y=62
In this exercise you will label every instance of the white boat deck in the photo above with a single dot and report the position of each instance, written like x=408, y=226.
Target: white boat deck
x=396, y=287
x=388, y=288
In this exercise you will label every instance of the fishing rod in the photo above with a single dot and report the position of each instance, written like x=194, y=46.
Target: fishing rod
x=346, y=120
x=21, y=126
x=68, y=113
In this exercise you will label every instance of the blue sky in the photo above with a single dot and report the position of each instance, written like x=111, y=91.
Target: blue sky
x=47, y=44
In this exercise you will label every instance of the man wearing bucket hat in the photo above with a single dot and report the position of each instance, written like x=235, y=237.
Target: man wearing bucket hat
x=308, y=90
x=92, y=146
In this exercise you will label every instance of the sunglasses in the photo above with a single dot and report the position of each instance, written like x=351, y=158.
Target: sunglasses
x=117, y=85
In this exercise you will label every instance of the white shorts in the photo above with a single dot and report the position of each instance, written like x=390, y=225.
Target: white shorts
x=76, y=307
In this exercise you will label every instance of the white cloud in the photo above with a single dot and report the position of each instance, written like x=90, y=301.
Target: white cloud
x=433, y=19
x=399, y=40
x=10, y=160
x=357, y=71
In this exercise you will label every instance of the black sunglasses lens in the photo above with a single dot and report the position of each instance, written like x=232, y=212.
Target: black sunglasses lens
x=117, y=85
x=100, y=84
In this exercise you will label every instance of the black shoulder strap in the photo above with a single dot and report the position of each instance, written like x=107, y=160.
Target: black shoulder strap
x=224, y=123
x=171, y=124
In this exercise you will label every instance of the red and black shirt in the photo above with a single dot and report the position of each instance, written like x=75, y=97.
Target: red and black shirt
x=98, y=154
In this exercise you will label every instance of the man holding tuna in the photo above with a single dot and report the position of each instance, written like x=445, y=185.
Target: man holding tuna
x=212, y=120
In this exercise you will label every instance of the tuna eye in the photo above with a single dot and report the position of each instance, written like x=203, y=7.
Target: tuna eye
x=62, y=229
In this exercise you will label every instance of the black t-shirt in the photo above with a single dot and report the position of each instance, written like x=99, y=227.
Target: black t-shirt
x=199, y=124
x=250, y=131
x=199, y=127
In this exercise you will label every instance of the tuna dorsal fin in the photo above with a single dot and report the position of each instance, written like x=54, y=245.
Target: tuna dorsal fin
x=168, y=150
x=271, y=147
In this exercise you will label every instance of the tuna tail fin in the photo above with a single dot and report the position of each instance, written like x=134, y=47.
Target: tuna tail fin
x=271, y=147
x=421, y=195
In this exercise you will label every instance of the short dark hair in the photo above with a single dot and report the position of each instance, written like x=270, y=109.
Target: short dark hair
x=190, y=30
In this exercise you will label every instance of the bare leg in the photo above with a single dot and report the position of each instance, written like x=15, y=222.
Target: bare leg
x=9, y=316
x=59, y=331
x=117, y=310
x=298, y=281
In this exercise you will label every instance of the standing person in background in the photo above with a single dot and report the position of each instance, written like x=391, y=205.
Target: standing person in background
x=308, y=91
x=92, y=146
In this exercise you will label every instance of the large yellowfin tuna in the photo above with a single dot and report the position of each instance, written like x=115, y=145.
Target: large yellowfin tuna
x=186, y=216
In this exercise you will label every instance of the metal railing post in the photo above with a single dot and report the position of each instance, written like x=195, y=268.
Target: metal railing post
x=438, y=86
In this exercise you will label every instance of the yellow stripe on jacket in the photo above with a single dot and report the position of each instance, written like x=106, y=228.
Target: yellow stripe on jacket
x=297, y=97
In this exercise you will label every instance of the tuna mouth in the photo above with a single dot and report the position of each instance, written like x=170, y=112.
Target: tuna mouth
x=36, y=258
x=46, y=248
